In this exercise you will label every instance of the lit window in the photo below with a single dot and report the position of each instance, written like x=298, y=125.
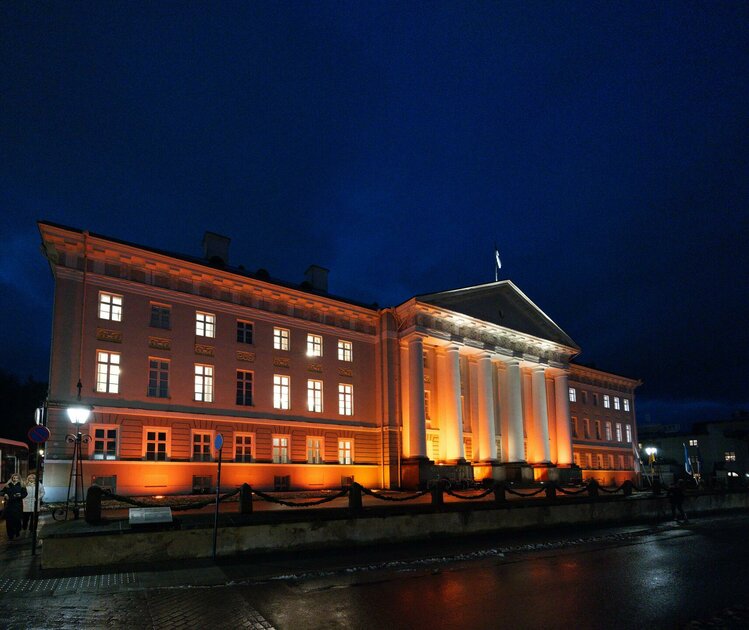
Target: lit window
x=205, y=324
x=314, y=345
x=110, y=306
x=244, y=388
x=626, y=404
x=608, y=431
x=599, y=460
x=345, y=350
x=692, y=442
x=345, y=452
x=160, y=316
x=156, y=445
x=244, y=331
x=105, y=443
x=345, y=399
x=314, y=396
x=730, y=456
x=606, y=401
x=107, y=372
x=573, y=394
x=158, y=378
x=280, y=339
x=203, y=383
x=611, y=461
x=617, y=403
x=576, y=458
x=628, y=433
x=201, y=446
x=314, y=450
x=598, y=429
x=281, y=392
x=618, y=431
x=280, y=449
x=243, y=447
x=621, y=462
x=588, y=460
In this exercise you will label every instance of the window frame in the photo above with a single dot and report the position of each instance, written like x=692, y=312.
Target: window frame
x=208, y=323
x=243, y=325
x=343, y=449
x=159, y=371
x=314, y=395
x=628, y=433
x=617, y=403
x=284, y=382
x=202, y=457
x=345, y=394
x=113, y=310
x=112, y=372
x=92, y=455
x=626, y=404
x=167, y=443
x=314, y=345
x=236, y=446
x=244, y=382
x=609, y=431
x=606, y=401
x=619, y=434
x=163, y=308
x=572, y=392
x=315, y=453
x=345, y=348
x=281, y=341
x=280, y=447
x=208, y=394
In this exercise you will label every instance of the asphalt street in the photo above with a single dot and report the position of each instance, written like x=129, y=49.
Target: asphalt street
x=660, y=576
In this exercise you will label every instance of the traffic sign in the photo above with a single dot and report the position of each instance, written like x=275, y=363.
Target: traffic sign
x=38, y=434
x=218, y=442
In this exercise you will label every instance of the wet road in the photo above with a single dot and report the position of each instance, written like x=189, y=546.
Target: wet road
x=665, y=576
x=668, y=578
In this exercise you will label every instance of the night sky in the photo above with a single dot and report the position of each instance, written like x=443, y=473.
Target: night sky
x=603, y=146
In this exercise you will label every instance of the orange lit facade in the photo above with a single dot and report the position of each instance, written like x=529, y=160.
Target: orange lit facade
x=308, y=390
x=604, y=429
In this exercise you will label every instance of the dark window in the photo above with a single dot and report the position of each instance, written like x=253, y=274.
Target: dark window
x=244, y=332
x=201, y=447
x=105, y=443
x=160, y=316
x=244, y=388
x=158, y=378
x=156, y=445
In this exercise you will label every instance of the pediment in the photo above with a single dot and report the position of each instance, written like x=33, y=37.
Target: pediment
x=503, y=304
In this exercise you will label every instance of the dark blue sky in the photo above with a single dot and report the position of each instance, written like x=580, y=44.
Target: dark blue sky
x=603, y=146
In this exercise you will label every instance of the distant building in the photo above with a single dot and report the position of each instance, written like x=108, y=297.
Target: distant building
x=308, y=390
x=718, y=450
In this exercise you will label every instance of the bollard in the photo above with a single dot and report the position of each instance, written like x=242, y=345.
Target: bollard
x=627, y=487
x=499, y=494
x=245, y=499
x=354, y=499
x=551, y=492
x=592, y=488
x=438, y=501
x=93, y=505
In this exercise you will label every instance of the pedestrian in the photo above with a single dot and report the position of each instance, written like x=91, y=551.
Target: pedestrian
x=29, y=500
x=14, y=493
x=676, y=498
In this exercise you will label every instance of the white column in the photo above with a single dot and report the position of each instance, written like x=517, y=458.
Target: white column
x=515, y=439
x=454, y=410
x=417, y=431
x=487, y=443
x=541, y=417
x=564, y=424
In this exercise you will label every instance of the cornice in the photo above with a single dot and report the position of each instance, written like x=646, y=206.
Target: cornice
x=599, y=378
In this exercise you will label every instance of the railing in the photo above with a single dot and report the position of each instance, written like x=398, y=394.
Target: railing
x=355, y=493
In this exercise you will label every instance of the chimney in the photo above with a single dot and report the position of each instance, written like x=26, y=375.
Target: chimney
x=216, y=248
x=317, y=277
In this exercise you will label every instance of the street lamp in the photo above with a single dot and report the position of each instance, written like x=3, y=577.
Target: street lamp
x=78, y=415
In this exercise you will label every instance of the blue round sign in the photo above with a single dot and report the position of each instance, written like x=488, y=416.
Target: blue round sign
x=38, y=434
x=218, y=442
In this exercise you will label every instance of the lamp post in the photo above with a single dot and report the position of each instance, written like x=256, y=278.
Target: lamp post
x=78, y=415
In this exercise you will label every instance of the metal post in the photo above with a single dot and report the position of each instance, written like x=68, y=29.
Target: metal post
x=35, y=517
x=218, y=491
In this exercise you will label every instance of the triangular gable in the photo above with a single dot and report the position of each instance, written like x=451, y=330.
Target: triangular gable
x=501, y=303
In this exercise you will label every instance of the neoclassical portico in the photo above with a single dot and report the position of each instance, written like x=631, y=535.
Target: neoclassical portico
x=482, y=393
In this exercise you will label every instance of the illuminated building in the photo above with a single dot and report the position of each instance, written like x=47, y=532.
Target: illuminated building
x=308, y=390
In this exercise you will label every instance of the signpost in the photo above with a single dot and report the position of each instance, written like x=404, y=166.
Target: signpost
x=38, y=434
x=218, y=444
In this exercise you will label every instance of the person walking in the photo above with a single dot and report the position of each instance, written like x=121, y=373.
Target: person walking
x=676, y=498
x=14, y=493
x=29, y=500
